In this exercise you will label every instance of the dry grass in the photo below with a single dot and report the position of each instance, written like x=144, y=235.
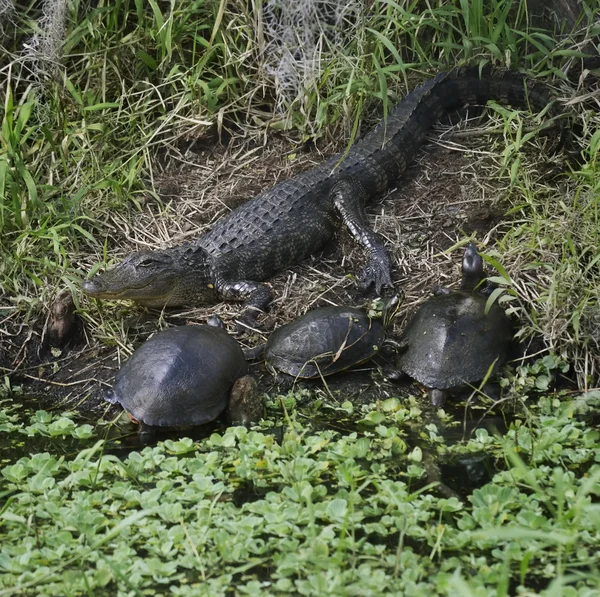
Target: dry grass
x=448, y=196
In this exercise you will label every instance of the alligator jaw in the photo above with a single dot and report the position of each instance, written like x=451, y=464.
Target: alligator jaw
x=95, y=288
x=157, y=279
x=111, y=286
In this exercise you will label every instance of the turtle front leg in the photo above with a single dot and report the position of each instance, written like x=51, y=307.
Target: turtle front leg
x=254, y=353
x=349, y=198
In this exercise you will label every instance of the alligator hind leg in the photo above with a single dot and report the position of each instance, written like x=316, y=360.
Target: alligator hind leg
x=349, y=198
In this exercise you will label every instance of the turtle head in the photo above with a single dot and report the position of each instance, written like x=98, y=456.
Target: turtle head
x=391, y=308
x=472, y=268
x=246, y=405
x=178, y=276
x=437, y=397
x=214, y=321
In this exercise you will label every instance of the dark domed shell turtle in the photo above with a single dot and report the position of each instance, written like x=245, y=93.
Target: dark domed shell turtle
x=327, y=340
x=185, y=376
x=451, y=341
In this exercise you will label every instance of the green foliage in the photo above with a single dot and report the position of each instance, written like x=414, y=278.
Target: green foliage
x=552, y=246
x=139, y=75
x=17, y=187
x=318, y=513
x=535, y=377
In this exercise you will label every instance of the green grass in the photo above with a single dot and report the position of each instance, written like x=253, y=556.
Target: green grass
x=133, y=77
x=552, y=248
x=83, y=137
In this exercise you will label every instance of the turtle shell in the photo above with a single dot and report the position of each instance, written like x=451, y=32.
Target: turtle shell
x=451, y=341
x=324, y=341
x=180, y=376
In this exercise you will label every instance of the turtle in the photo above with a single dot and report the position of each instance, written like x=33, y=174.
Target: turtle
x=451, y=341
x=327, y=340
x=187, y=375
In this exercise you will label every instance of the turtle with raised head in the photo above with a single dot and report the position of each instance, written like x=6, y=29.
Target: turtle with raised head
x=451, y=341
x=328, y=340
x=187, y=375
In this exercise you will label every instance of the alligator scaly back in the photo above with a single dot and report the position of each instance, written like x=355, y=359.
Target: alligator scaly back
x=296, y=217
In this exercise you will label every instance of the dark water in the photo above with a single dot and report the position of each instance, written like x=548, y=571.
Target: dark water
x=313, y=408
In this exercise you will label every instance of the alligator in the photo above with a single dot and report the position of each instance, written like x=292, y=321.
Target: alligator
x=296, y=217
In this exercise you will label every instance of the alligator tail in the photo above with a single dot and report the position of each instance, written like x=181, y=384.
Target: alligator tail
x=474, y=84
x=382, y=155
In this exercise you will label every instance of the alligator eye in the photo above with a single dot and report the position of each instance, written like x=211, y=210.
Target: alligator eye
x=149, y=262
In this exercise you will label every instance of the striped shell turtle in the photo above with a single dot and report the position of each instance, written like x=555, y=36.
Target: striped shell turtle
x=328, y=340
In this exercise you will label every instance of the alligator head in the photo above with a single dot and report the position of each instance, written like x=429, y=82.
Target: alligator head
x=169, y=278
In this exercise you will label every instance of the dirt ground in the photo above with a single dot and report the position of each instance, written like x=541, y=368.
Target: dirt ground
x=447, y=195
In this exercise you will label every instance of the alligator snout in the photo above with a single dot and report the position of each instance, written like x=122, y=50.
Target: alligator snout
x=91, y=287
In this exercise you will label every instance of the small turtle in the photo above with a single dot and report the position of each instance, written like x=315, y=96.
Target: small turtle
x=327, y=340
x=185, y=376
x=451, y=341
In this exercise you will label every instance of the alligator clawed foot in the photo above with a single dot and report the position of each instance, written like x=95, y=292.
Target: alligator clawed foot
x=375, y=275
x=247, y=323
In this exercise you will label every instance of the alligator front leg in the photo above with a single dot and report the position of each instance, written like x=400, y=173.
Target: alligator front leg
x=256, y=299
x=349, y=198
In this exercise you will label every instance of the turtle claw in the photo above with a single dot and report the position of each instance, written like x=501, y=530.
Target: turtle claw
x=394, y=374
x=284, y=381
x=110, y=397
